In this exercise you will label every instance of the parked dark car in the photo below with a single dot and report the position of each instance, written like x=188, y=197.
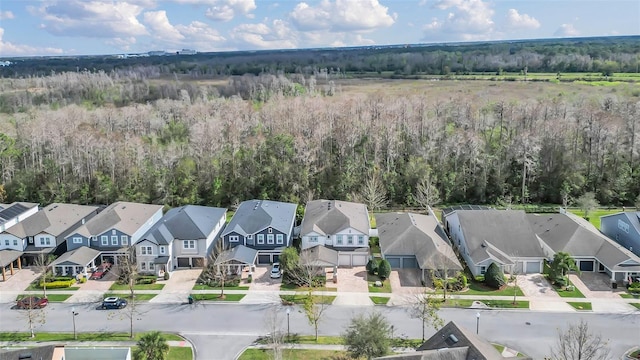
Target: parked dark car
x=114, y=303
x=100, y=271
x=32, y=302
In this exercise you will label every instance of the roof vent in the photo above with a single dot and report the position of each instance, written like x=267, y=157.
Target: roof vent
x=453, y=338
x=24, y=356
x=483, y=245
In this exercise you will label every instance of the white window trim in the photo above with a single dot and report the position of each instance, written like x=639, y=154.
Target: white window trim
x=360, y=239
x=151, y=265
x=339, y=239
x=270, y=239
x=124, y=239
x=15, y=242
x=104, y=240
x=186, y=244
x=349, y=239
x=114, y=240
x=260, y=239
x=234, y=238
x=162, y=250
x=279, y=239
x=143, y=266
x=76, y=240
x=270, y=230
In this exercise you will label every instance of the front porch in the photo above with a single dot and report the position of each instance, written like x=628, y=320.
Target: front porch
x=7, y=260
x=75, y=262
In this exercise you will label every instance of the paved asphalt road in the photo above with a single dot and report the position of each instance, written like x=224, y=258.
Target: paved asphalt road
x=220, y=331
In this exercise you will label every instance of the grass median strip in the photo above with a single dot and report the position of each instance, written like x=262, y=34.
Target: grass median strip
x=139, y=297
x=265, y=354
x=90, y=336
x=175, y=353
x=637, y=305
x=117, y=286
x=495, y=304
x=379, y=300
x=372, y=279
x=50, y=297
x=580, y=305
x=300, y=297
x=216, y=297
x=207, y=287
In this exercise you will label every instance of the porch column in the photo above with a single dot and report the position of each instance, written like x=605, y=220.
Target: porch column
x=4, y=273
x=11, y=267
x=19, y=264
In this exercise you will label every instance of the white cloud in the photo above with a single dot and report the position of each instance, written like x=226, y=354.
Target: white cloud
x=342, y=15
x=467, y=20
x=200, y=36
x=160, y=27
x=10, y=49
x=6, y=15
x=224, y=10
x=101, y=19
x=122, y=43
x=566, y=30
x=516, y=20
x=276, y=35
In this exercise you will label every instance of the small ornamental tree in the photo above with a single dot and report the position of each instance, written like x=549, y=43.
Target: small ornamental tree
x=372, y=266
x=384, y=269
x=368, y=336
x=494, y=277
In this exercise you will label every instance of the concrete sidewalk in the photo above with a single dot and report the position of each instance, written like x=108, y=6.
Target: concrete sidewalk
x=173, y=343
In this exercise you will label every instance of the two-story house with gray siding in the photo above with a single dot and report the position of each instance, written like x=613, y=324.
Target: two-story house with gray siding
x=43, y=233
x=263, y=225
x=10, y=248
x=183, y=238
x=339, y=225
x=623, y=228
x=115, y=229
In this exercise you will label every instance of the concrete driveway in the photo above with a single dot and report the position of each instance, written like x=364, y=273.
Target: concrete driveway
x=16, y=284
x=178, y=287
x=405, y=286
x=595, y=285
x=536, y=286
x=353, y=288
x=263, y=289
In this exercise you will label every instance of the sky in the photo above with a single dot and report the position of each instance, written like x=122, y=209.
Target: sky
x=93, y=27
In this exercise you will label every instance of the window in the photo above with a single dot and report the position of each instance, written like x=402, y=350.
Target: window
x=15, y=242
x=260, y=238
x=234, y=238
x=189, y=244
x=162, y=250
x=143, y=266
x=114, y=240
x=313, y=239
x=104, y=240
x=279, y=239
x=76, y=240
x=350, y=239
x=6, y=242
x=339, y=239
x=250, y=236
x=270, y=239
x=360, y=240
x=146, y=250
x=124, y=239
x=94, y=238
x=270, y=230
x=113, y=232
x=151, y=266
x=483, y=269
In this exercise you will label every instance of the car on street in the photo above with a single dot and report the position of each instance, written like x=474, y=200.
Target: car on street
x=275, y=271
x=100, y=271
x=114, y=303
x=32, y=302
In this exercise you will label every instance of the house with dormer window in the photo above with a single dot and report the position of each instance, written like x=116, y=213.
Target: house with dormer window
x=183, y=238
x=338, y=225
x=115, y=229
x=263, y=225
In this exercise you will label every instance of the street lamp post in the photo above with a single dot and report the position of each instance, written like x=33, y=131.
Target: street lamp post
x=73, y=316
x=288, y=312
x=477, y=322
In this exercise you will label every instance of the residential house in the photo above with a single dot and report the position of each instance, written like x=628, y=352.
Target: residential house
x=453, y=342
x=183, y=238
x=43, y=233
x=263, y=225
x=11, y=251
x=415, y=241
x=115, y=229
x=624, y=228
x=504, y=237
x=339, y=225
x=75, y=262
x=60, y=352
x=592, y=250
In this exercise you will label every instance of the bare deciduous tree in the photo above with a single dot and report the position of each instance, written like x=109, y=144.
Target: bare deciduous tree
x=425, y=307
x=578, y=343
x=43, y=265
x=217, y=269
x=275, y=332
x=34, y=317
x=128, y=275
x=426, y=193
x=314, y=307
x=373, y=193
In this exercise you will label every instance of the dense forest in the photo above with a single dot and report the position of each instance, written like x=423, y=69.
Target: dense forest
x=605, y=55
x=85, y=137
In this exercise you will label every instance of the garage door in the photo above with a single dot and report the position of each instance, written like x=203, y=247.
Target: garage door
x=533, y=267
x=359, y=259
x=394, y=262
x=264, y=259
x=587, y=265
x=183, y=262
x=197, y=262
x=344, y=260
x=409, y=263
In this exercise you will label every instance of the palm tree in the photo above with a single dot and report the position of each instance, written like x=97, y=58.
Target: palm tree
x=563, y=262
x=151, y=346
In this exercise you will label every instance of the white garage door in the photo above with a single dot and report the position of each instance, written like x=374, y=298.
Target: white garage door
x=533, y=267
x=352, y=259
x=344, y=259
x=359, y=259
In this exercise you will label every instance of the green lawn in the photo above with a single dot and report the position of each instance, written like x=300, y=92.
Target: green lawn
x=139, y=297
x=263, y=354
x=216, y=297
x=385, y=288
x=34, y=287
x=50, y=297
x=628, y=296
x=637, y=305
x=457, y=303
x=175, y=353
x=575, y=293
x=293, y=287
x=91, y=336
x=478, y=288
x=311, y=339
x=498, y=347
x=299, y=298
x=580, y=305
x=379, y=300
x=506, y=304
x=594, y=216
x=117, y=286
x=207, y=287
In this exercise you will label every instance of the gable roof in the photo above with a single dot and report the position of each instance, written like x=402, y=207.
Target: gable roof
x=328, y=217
x=320, y=256
x=127, y=217
x=492, y=234
x=33, y=353
x=240, y=253
x=419, y=235
x=8, y=256
x=190, y=222
x=80, y=256
x=254, y=216
x=633, y=217
x=576, y=236
x=54, y=220
x=454, y=336
x=458, y=353
x=8, y=212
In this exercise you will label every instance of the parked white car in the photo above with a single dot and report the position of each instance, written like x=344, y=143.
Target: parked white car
x=275, y=271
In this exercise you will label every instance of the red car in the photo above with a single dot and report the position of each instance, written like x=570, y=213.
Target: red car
x=100, y=271
x=32, y=302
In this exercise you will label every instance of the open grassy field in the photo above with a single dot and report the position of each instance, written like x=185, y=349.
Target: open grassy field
x=594, y=216
x=263, y=354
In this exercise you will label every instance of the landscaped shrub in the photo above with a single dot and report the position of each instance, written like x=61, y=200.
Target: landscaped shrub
x=59, y=284
x=634, y=287
x=462, y=278
x=384, y=269
x=494, y=277
x=229, y=282
x=166, y=275
x=372, y=266
x=83, y=280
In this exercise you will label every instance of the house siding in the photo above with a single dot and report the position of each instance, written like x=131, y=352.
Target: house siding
x=147, y=225
x=616, y=226
x=10, y=246
x=72, y=246
x=147, y=258
x=110, y=244
x=9, y=223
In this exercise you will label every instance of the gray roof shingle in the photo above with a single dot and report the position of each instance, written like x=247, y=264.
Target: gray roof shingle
x=190, y=222
x=33, y=353
x=80, y=257
x=416, y=234
x=320, y=256
x=328, y=217
x=254, y=216
x=8, y=255
x=238, y=253
x=454, y=336
x=127, y=217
